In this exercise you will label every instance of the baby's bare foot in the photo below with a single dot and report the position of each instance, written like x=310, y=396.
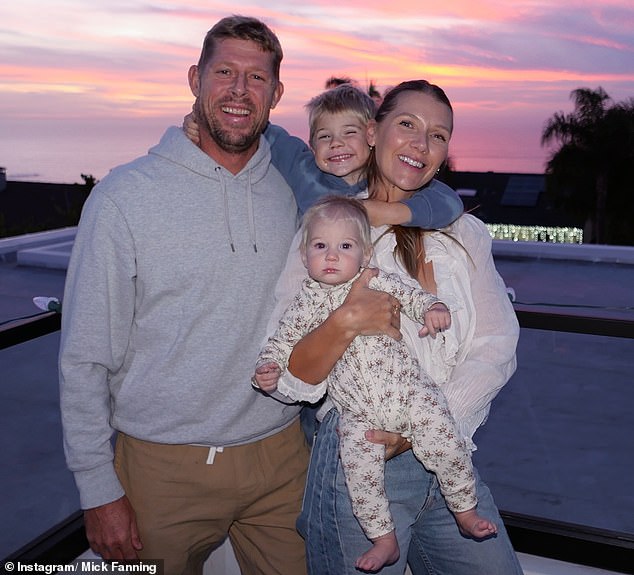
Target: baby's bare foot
x=384, y=551
x=472, y=525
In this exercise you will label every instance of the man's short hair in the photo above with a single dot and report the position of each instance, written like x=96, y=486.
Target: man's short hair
x=242, y=28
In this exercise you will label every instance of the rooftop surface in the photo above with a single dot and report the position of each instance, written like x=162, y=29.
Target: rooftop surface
x=557, y=444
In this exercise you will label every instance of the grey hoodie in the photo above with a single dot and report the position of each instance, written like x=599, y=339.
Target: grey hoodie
x=167, y=298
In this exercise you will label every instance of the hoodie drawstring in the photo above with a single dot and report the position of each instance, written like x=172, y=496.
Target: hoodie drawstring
x=251, y=216
x=225, y=197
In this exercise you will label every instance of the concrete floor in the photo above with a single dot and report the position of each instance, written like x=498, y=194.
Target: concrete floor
x=558, y=442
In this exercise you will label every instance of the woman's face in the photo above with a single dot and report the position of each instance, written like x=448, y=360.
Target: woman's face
x=411, y=143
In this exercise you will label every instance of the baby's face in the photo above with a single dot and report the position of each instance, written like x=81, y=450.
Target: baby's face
x=334, y=251
x=340, y=145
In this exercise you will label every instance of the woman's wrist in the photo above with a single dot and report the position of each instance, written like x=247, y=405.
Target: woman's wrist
x=342, y=325
x=314, y=356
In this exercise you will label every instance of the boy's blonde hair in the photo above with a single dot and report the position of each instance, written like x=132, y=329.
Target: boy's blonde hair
x=343, y=98
x=334, y=209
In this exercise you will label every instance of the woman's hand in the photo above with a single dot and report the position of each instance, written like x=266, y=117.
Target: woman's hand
x=394, y=443
x=365, y=311
x=370, y=312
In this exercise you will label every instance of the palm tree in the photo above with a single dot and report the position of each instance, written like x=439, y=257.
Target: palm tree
x=89, y=181
x=589, y=175
x=374, y=93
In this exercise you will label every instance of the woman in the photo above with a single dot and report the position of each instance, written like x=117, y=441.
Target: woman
x=470, y=362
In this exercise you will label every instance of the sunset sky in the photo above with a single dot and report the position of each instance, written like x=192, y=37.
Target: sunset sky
x=89, y=84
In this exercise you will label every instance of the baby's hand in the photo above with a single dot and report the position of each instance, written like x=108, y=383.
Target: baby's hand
x=190, y=127
x=437, y=319
x=266, y=376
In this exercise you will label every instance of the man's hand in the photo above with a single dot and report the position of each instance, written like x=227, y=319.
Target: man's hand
x=371, y=312
x=395, y=443
x=112, y=531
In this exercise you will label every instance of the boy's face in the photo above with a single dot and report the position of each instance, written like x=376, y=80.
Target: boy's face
x=340, y=145
x=334, y=252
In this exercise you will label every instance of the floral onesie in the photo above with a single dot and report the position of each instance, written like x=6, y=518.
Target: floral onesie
x=378, y=384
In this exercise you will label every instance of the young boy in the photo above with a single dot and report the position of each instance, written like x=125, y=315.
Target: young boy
x=335, y=162
x=377, y=383
x=338, y=121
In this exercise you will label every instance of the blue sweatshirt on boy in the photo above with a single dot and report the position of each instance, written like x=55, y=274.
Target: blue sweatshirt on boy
x=434, y=206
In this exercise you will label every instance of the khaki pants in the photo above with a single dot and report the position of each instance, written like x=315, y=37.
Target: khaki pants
x=185, y=507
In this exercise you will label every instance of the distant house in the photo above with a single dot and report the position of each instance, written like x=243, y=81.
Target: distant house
x=507, y=198
x=495, y=198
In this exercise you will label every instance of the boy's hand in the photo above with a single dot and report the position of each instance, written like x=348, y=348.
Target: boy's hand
x=266, y=376
x=437, y=319
x=382, y=213
x=190, y=127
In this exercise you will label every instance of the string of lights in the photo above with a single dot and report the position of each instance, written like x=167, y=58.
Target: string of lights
x=550, y=234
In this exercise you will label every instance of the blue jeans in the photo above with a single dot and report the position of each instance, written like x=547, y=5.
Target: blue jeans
x=426, y=530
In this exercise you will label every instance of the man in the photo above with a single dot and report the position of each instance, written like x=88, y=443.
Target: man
x=168, y=293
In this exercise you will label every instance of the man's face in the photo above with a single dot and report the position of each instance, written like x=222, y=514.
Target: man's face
x=234, y=95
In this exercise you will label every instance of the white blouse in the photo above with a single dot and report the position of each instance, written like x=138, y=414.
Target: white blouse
x=475, y=357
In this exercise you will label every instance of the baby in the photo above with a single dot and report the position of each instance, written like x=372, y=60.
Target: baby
x=377, y=383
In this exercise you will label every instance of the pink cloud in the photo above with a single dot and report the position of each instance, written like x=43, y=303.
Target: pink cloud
x=507, y=67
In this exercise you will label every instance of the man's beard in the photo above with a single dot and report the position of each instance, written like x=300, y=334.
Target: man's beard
x=225, y=139
x=233, y=143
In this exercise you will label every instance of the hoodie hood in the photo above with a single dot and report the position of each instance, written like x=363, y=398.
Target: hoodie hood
x=176, y=147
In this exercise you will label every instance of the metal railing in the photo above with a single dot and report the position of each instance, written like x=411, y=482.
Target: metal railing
x=23, y=330
x=572, y=543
